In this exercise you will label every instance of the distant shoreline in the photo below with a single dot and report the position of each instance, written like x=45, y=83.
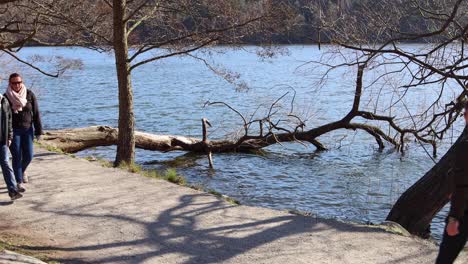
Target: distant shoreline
x=233, y=45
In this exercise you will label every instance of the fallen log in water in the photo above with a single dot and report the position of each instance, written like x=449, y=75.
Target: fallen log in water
x=77, y=139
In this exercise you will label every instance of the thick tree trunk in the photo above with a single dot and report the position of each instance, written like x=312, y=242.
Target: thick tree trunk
x=126, y=140
x=418, y=205
x=77, y=139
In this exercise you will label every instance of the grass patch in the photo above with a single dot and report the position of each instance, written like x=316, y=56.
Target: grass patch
x=215, y=193
x=169, y=175
x=52, y=148
x=172, y=176
x=90, y=158
x=298, y=212
x=197, y=187
x=230, y=200
x=132, y=167
x=225, y=197
x=104, y=163
x=22, y=246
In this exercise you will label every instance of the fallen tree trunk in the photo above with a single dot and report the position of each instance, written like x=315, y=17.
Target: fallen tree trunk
x=77, y=139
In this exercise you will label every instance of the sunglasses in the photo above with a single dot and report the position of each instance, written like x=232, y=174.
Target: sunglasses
x=16, y=82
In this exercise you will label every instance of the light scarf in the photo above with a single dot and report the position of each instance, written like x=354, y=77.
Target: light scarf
x=17, y=99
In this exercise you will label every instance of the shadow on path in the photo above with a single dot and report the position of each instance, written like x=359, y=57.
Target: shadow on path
x=185, y=229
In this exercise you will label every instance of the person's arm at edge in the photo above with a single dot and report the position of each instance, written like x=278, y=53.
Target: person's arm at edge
x=458, y=201
x=10, y=121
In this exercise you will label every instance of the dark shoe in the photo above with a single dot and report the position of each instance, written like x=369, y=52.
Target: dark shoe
x=14, y=195
x=20, y=188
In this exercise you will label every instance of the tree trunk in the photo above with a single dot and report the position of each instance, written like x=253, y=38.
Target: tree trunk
x=78, y=139
x=126, y=138
x=418, y=205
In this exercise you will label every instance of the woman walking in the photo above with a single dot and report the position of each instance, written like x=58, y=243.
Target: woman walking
x=26, y=123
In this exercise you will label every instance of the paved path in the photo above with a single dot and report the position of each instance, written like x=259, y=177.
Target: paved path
x=92, y=214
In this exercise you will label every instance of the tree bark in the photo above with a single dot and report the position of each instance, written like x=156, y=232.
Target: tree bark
x=418, y=205
x=126, y=139
x=77, y=139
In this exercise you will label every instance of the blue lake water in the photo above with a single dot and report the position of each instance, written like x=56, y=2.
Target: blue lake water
x=352, y=181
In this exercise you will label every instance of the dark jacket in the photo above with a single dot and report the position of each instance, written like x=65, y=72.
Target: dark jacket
x=459, y=198
x=6, y=129
x=29, y=116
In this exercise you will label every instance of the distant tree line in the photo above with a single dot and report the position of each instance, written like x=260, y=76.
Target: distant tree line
x=303, y=22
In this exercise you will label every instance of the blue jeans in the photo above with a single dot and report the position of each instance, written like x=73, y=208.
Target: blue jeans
x=21, y=149
x=6, y=169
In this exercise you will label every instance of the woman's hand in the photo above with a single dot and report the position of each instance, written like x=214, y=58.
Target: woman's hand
x=452, y=227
